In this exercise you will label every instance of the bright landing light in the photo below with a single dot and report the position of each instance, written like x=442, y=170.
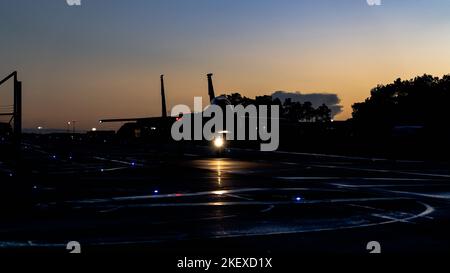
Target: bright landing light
x=218, y=142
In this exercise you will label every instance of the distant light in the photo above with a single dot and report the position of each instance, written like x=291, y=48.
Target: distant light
x=68, y=123
x=70, y=157
x=10, y=175
x=133, y=163
x=332, y=120
x=34, y=187
x=54, y=156
x=218, y=142
x=219, y=192
x=298, y=198
x=94, y=129
x=155, y=191
x=102, y=170
x=153, y=128
x=40, y=127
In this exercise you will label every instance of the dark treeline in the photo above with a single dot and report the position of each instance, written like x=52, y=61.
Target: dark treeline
x=292, y=111
x=406, y=118
x=420, y=102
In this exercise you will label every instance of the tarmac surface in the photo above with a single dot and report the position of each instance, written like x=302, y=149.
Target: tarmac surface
x=241, y=202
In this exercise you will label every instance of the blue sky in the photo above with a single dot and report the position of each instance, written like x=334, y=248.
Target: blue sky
x=103, y=59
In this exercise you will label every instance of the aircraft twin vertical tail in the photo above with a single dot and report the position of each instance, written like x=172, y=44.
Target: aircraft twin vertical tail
x=163, y=98
x=210, y=87
x=163, y=102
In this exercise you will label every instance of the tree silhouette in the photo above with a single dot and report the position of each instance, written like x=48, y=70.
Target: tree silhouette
x=420, y=101
x=323, y=114
x=292, y=111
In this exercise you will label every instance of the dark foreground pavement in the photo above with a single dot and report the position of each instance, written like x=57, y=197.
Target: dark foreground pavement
x=145, y=200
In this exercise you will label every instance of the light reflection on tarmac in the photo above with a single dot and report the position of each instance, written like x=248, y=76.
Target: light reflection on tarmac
x=199, y=198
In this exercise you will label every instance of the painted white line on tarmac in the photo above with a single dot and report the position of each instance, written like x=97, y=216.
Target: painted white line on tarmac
x=90, y=170
x=425, y=174
x=428, y=210
x=129, y=163
x=381, y=171
x=391, y=218
x=385, y=185
x=293, y=178
x=268, y=209
x=392, y=179
x=192, y=194
x=170, y=195
x=365, y=207
x=252, y=203
x=306, y=178
x=239, y=197
x=334, y=156
x=237, y=172
x=443, y=195
x=191, y=155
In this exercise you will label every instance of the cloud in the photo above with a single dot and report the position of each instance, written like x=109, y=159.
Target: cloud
x=374, y=2
x=317, y=99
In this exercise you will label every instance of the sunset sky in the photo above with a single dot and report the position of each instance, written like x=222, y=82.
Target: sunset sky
x=103, y=59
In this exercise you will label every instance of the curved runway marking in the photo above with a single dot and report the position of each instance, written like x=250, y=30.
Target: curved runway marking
x=128, y=163
x=381, y=171
x=88, y=170
x=267, y=209
x=351, y=178
x=390, y=218
x=442, y=195
x=192, y=194
x=386, y=185
x=306, y=178
x=253, y=203
x=334, y=156
x=428, y=210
